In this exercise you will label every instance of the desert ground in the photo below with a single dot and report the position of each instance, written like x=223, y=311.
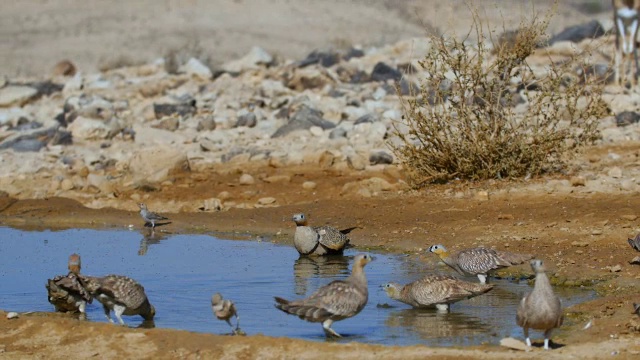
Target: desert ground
x=580, y=231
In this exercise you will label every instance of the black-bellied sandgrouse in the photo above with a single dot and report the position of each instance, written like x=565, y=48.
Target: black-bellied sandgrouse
x=541, y=308
x=338, y=300
x=435, y=290
x=478, y=261
x=318, y=240
x=225, y=309
x=66, y=292
x=121, y=294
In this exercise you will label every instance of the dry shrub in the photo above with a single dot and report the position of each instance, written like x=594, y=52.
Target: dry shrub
x=463, y=122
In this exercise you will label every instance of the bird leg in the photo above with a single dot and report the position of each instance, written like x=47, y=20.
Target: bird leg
x=82, y=307
x=237, y=322
x=107, y=313
x=233, y=331
x=118, y=310
x=442, y=307
x=328, y=331
x=526, y=336
x=483, y=278
x=547, y=335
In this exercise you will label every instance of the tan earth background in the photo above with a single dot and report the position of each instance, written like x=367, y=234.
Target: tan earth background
x=579, y=230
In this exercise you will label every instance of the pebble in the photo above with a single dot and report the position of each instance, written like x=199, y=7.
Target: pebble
x=12, y=315
x=247, y=179
x=309, y=185
x=616, y=268
x=615, y=172
x=629, y=217
x=266, y=201
x=66, y=184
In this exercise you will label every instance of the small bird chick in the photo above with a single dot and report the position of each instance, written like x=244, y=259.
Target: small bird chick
x=224, y=310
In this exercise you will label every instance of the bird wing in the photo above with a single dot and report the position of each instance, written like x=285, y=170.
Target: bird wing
x=510, y=258
x=72, y=284
x=331, y=237
x=479, y=260
x=438, y=289
x=121, y=289
x=339, y=298
x=521, y=312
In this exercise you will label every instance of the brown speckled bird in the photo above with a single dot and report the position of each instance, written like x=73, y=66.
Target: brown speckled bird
x=224, y=310
x=478, y=261
x=435, y=290
x=67, y=293
x=318, y=240
x=338, y=300
x=540, y=309
x=121, y=294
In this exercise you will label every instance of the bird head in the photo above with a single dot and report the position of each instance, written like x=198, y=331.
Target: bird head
x=300, y=219
x=439, y=250
x=392, y=289
x=216, y=299
x=150, y=314
x=142, y=206
x=537, y=265
x=74, y=264
x=362, y=259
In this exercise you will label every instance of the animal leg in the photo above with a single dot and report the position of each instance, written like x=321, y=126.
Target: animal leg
x=547, y=335
x=118, y=310
x=328, y=331
x=526, y=336
x=442, y=307
x=107, y=313
x=483, y=278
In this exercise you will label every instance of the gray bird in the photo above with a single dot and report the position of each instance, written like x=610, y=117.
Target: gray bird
x=66, y=292
x=338, y=300
x=121, y=294
x=224, y=310
x=635, y=242
x=435, y=290
x=319, y=240
x=478, y=261
x=150, y=217
x=540, y=309
x=636, y=309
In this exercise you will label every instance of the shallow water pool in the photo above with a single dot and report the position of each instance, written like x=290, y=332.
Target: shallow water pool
x=181, y=272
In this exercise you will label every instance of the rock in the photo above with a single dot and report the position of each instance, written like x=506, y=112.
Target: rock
x=579, y=243
x=635, y=261
x=88, y=106
x=90, y=129
x=326, y=160
x=615, y=172
x=66, y=184
x=629, y=217
x=155, y=164
x=309, y=185
x=185, y=109
x=367, y=187
x=308, y=78
x=383, y=72
x=627, y=118
x=168, y=123
x=213, y=204
x=578, y=181
x=514, y=344
x=249, y=120
x=628, y=185
x=256, y=57
x=316, y=131
x=324, y=58
x=246, y=179
x=380, y=157
x=616, y=268
x=368, y=118
x=35, y=139
x=207, y=123
x=356, y=161
x=303, y=119
x=338, y=133
x=481, y=195
x=577, y=33
x=12, y=315
x=196, y=68
x=16, y=95
x=266, y=201
x=277, y=179
x=64, y=68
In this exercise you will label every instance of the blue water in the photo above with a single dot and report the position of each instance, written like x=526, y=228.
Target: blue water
x=181, y=272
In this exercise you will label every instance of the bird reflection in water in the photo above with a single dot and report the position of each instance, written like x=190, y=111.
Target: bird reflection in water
x=429, y=324
x=307, y=267
x=149, y=237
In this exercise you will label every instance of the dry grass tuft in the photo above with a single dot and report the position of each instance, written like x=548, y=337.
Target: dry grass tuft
x=484, y=114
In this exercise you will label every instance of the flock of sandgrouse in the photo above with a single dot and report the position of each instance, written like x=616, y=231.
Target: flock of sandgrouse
x=341, y=299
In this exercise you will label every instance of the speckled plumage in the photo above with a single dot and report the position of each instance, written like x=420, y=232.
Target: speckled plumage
x=318, y=240
x=121, y=294
x=540, y=309
x=435, y=290
x=150, y=217
x=338, y=300
x=66, y=292
x=478, y=261
x=635, y=242
x=224, y=309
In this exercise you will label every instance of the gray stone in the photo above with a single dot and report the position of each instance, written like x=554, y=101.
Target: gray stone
x=380, y=157
x=304, y=119
x=256, y=57
x=207, y=123
x=155, y=164
x=338, y=133
x=16, y=95
x=577, y=33
x=196, y=68
x=246, y=179
x=249, y=120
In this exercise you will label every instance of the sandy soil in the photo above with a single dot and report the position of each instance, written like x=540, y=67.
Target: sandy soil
x=581, y=237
